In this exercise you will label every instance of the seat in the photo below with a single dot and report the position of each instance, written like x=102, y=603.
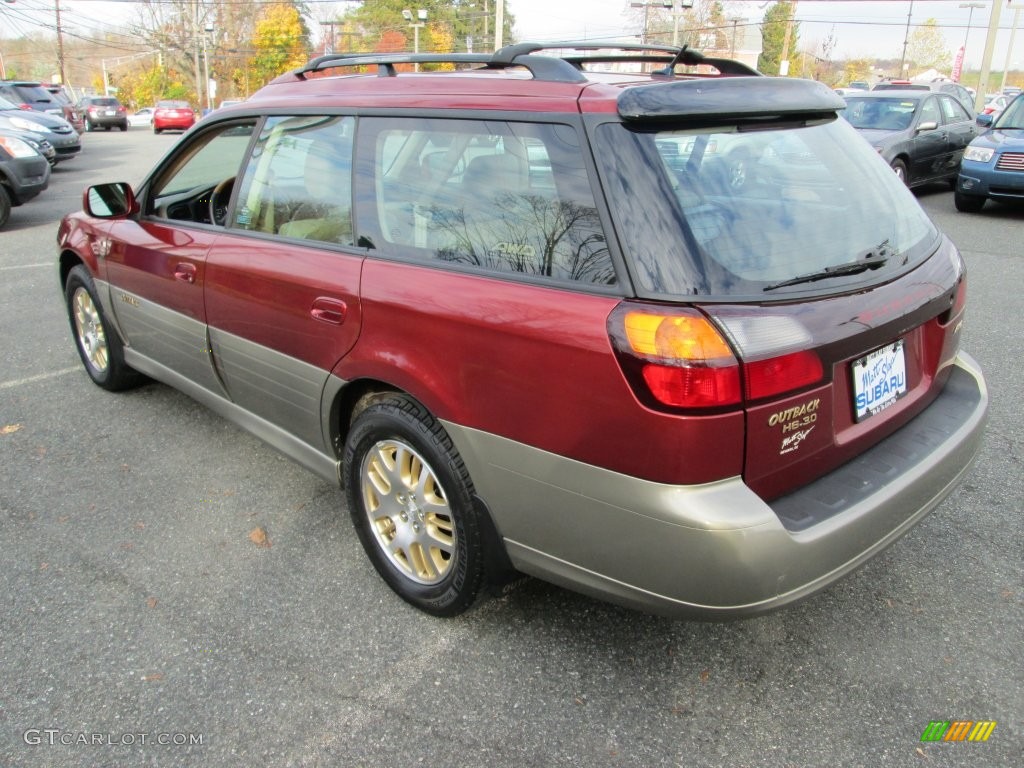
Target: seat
x=326, y=213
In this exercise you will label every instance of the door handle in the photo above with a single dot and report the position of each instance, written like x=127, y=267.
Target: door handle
x=185, y=271
x=327, y=310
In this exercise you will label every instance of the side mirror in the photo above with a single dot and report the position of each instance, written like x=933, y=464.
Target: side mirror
x=985, y=121
x=928, y=125
x=110, y=201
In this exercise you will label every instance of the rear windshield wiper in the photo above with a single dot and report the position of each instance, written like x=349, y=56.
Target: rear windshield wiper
x=872, y=259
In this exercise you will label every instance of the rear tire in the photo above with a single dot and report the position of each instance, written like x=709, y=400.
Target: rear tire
x=98, y=344
x=968, y=203
x=411, y=501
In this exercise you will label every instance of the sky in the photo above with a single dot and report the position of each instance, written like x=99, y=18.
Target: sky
x=860, y=29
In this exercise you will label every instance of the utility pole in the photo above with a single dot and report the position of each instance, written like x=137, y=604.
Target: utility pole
x=60, y=46
x=499, y=23
x=906, y=39
x=329, y=41
x=784, y=58
x=1009, y=48
x=986, y=59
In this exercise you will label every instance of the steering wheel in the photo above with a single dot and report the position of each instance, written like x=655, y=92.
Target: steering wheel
x=219, y=200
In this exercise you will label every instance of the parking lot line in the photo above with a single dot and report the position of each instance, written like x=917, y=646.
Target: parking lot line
x=27, y=266
x=40, y=377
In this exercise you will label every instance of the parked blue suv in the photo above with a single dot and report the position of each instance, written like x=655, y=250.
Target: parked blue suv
x=993, y=164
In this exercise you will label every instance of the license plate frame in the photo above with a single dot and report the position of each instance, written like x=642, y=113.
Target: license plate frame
x=879, y=380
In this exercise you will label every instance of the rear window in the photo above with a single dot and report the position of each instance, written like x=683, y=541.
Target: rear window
x=172, y=105
x=726, y=213
x=104, y=102
x=35, y=95
x=901, y=87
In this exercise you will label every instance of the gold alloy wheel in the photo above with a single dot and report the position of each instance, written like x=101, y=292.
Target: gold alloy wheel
x=89, y=327
x=408, y=511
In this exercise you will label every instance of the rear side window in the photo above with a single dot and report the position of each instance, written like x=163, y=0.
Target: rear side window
x=298, y=181
x=502, y=196
x=953, y=110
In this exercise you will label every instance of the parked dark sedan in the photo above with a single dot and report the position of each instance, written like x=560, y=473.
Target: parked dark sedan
x=921, y=134
x=55, y=130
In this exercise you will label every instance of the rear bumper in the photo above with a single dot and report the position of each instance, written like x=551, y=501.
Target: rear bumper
x=718, y=549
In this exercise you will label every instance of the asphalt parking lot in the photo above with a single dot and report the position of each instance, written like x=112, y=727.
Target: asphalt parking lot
x=143, y=622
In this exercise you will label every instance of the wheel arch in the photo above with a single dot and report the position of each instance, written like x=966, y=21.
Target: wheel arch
x=67, y=261
x=904, y=158
x=351, y=400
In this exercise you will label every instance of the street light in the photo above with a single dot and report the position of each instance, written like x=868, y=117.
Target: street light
x=421, y=14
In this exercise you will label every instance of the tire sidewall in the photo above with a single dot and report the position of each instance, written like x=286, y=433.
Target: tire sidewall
x=117, y=374
x=402, y=419
x=900, y=169
x=5, y=205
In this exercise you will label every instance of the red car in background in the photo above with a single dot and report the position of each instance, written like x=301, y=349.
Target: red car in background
x=173, y=115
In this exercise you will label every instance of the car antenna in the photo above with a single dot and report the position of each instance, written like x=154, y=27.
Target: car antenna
x=692, y=57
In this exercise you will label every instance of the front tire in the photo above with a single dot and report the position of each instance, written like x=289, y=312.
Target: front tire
x=411, y=501
x=98, y=344
x=968, y=203
x=900, y=169
x=5, y=206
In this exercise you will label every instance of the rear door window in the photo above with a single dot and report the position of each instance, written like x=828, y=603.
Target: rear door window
x=501, y=196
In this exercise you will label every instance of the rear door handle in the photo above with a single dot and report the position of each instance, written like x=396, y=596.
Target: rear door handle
x=185, y=272
x=328, y=310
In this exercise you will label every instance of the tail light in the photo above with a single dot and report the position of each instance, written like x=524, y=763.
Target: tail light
x=675, y=358
x=679, y=358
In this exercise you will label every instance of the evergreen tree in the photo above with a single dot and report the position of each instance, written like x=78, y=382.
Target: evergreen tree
x=773, y=35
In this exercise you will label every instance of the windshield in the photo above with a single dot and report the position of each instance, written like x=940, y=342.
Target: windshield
x=724, y=213
x=1012, y=116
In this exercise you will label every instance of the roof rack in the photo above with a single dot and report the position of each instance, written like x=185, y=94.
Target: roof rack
x=555, y=68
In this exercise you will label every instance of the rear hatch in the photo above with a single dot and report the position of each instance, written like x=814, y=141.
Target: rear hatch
x=780, y=269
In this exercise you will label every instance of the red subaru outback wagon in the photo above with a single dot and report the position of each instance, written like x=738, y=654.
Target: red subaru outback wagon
x=641, y=323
